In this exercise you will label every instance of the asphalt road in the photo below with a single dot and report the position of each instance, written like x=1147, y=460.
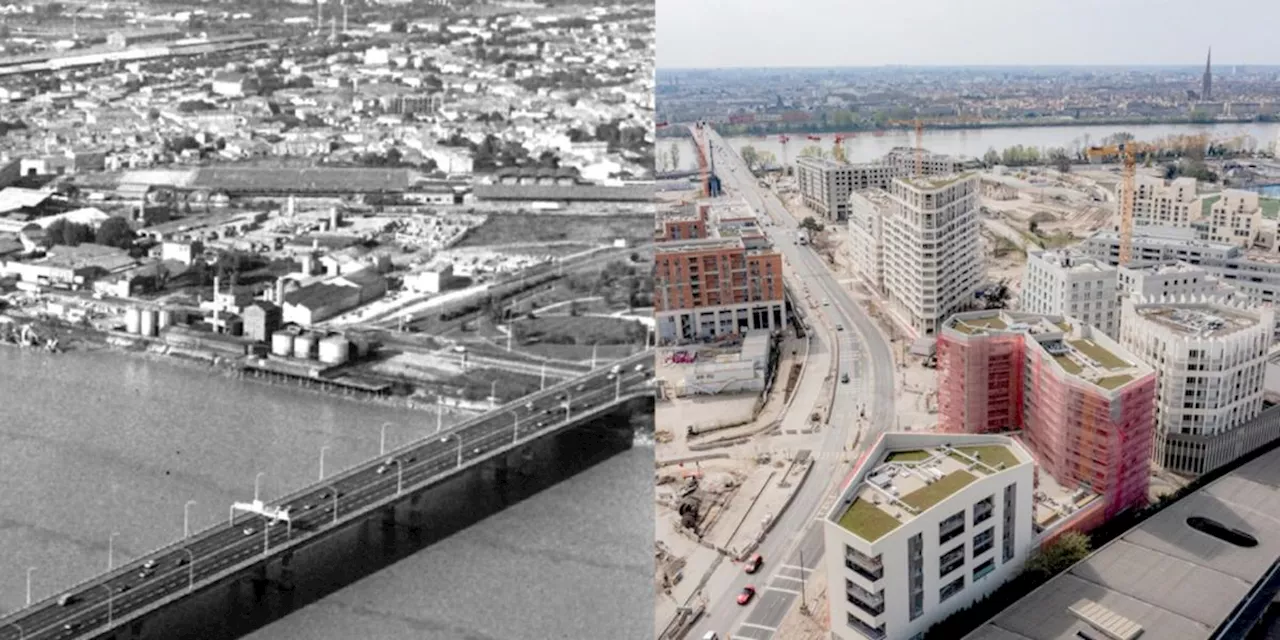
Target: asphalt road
x=865, y=355
x=315, y=509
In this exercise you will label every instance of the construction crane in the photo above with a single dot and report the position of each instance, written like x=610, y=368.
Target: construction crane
x=1128, y=153
x=782, y=140
x=919, y=127
x=837, y=152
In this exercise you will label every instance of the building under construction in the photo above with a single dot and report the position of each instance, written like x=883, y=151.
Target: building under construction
x=1085, y=405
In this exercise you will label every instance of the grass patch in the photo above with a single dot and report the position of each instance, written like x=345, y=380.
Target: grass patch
x=1098, y=354
x=918, y=455
x=476, y=384
x=867, y=521
x=1069, y=364
x=1270, y=207
x=579, y=330
x=972, y=325
x=502, y=229
x=1114, y=382
x=993, y=455
x=932, y=494
x=1206, y=205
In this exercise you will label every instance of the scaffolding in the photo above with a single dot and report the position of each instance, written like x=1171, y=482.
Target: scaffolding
x=980, y=389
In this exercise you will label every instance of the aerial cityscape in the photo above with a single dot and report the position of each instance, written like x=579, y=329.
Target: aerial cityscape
x=489, y=319
x=321, y=319
x=948, y=351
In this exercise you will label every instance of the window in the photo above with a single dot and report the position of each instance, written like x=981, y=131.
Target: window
x=915, y=574
x=952, y=588
x=983, y=509
x=983, y=542
x=950, y=561
x=951, y=527
x=1010, y=500
x=983, y=569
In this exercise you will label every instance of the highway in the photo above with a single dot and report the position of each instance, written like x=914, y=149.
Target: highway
x=864, y=354
x=324, y=506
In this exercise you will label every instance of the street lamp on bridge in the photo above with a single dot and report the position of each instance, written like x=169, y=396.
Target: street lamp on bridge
x=322, y=450
x=111, y=550
x=458, y=437
x=29, y=570
x=515, y=429
x=186, y=518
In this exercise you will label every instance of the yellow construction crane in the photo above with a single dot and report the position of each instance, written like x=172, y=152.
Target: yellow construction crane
x=1128, y=153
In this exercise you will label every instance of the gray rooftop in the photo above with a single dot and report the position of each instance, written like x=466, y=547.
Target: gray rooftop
x=1174, y=581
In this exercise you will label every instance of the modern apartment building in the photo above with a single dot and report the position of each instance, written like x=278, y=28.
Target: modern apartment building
x=1163, y=203
x=1084, y=404
x=930, y=248
x=1071, y=283
x=1241, y=218
x=825, y=184
x=1211, y=356
x=866, y=235
x=926, y=525
x=1173, y=279
x=716, y=274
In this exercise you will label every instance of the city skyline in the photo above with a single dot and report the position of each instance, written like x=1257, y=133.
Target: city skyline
x=700, y=36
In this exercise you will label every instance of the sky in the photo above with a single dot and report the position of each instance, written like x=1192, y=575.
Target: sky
x=853, y=33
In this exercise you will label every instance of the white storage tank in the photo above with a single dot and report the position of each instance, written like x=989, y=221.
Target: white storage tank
x=149, y=320
x=133, y=320
x=334, y=350
x=304, y=346
x=166, y=318
x=282, y=343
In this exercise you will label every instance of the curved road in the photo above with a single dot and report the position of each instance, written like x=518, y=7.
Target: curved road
x=178, y=568
x=866, y=356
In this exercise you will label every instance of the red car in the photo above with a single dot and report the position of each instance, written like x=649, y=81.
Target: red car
x=753, y=565
x=748, y=592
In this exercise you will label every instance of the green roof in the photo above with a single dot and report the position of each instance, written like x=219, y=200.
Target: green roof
x=969, y=325
x=1098, y=354
x=1270, y=207
x=916, y=455
x=1070, y=365
x=932, y=494
x=1206, y=205
x=1114, y=382
x=992, y=455
x=867, y=521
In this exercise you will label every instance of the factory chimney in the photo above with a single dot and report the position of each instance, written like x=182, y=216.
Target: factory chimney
x=280, y=291
x=217, y=282
x=334, y=219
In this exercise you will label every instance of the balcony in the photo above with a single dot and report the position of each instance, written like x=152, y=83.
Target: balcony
x=870, y=568
x=874, y=633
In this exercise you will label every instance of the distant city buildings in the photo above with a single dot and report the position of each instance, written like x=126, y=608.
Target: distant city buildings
x=918, y=245
x=1211, y=357
x=1083, y=403
x=927, y=525
x=716, y=274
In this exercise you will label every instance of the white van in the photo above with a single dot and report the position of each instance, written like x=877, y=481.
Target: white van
x=711, y=635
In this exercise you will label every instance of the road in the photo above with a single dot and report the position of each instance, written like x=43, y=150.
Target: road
x=329, y=503
x=866, y=356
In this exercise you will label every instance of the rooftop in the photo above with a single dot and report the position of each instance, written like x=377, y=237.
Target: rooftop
x=1200, y=321
x=1173, y=581
x=1080, y=351
x=1073, y=260
x=899, y=482
x=934, y=182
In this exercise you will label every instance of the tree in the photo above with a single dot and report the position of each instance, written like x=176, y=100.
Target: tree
x=115, y=232
x=813, y=151
x=1068, y=549
x=811, y=224
x=674, y=153
x=750, y=157
x=65, y=232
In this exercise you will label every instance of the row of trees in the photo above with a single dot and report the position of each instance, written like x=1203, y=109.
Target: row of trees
x=113, y=232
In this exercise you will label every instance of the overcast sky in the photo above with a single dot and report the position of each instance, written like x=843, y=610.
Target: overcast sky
x=834, y=33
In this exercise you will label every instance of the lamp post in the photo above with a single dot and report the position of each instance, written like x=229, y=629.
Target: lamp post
x=257, y=480
x=594, y=346
x=186, y=518
x=110, y=604
x=191, y=569
x=111, y=550
x=459, y=439
x=493, y=394
x=543, y=386
x=439, y=413
x=515, y=429
x=382, y=441
x=322, y=450
x=29, y=570
x=399, y=476
x=335, y=503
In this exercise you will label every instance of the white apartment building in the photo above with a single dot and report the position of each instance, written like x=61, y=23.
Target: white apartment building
x=1241, y=218
x=1071, y=283
x=825, y=184
x=931, y=250
x=1171, y=280
x=866, y=236
x=927, y=525
x=1157, y=202
x=1211, y=356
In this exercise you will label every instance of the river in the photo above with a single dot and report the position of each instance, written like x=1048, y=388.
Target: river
x=866, y=147
x=96, y=443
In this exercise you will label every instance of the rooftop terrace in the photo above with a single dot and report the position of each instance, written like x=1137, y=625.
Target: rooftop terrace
x=1071, y=347
x=904, y=483
x=1198, y=321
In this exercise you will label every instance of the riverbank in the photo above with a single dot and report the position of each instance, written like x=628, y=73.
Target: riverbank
x=679, y=130
x=72, y=338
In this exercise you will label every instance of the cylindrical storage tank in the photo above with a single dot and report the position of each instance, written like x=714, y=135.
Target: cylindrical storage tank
x=334, y=350
x=149, y=319
x=303, y=346
x=133, y=320
x=166, y=318
x=282, y=343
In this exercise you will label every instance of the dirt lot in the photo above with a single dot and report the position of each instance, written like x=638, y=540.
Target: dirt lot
x=527, y=228
x=581, y=330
